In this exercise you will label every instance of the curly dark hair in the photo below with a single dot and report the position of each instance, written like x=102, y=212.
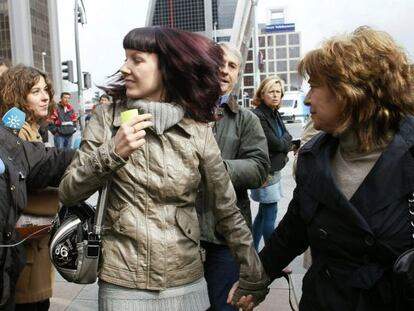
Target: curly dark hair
x=189, y=64
x=372, y=78
x=15, y=86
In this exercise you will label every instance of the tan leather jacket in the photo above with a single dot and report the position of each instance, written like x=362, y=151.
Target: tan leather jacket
x=152, y=236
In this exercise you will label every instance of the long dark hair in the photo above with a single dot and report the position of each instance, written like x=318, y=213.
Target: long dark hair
x=189, y=64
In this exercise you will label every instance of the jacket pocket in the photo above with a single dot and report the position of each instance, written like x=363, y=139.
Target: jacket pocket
x=188, y=223
x=188, y=236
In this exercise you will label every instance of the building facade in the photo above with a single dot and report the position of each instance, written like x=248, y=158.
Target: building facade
x=222, y=20
x=279, y=50
x=273, y=49
x=212, y=18
x=29, y=35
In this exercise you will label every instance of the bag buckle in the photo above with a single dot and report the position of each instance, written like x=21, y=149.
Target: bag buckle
x=93, y=247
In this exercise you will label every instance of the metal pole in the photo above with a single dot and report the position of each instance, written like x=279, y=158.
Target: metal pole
x=215, y=31
x=78, y=69
x=255, y=41
x=43, y=61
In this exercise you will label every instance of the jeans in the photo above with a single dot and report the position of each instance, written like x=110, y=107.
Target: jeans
x=63, y=141
x=221, y=271
x=264, y=223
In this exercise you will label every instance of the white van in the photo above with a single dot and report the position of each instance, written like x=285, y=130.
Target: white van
x=293, y=107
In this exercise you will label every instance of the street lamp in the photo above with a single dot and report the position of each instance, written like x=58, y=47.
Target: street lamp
x=43, y=61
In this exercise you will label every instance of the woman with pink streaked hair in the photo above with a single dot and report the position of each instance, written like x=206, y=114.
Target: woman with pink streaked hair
x=151, y=258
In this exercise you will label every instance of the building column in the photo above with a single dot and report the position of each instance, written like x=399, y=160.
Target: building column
x=208, y=18
x=55, y=47
x=20, y=32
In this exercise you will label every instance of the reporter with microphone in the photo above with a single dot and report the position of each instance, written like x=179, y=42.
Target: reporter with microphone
x=23, y=166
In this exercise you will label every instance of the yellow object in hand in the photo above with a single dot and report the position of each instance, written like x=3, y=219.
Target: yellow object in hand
x=128, y=115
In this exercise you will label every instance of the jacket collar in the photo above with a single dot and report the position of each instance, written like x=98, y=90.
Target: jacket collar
x=232, y=104
x=391, y=177
x=187, y=125
x=394, y=169
x=266, y=110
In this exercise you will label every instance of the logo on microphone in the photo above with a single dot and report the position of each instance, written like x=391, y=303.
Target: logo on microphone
x=14, y=118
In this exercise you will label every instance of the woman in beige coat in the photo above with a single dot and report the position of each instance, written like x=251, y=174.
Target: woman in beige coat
x=31, y=91
x=151, y=257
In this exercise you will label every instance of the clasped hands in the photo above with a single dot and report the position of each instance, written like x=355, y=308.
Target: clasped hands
x=246, y=295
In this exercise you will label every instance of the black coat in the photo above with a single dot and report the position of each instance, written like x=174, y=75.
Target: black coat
x=278, y=146
x=27, y=166
x=354, y=242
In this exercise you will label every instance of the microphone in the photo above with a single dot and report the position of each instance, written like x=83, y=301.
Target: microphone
x=14, y=118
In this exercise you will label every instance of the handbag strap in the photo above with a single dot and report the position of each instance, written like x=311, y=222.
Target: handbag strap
x=100, y=208
x=293, y=302
x=104, y=193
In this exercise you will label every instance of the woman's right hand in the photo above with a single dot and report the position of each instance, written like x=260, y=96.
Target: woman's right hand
x=131, y=135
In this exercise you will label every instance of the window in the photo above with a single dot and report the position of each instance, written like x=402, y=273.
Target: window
x=249, y=55
x=281, y=65
x=277, y=16
x=250, y=92
x=262, y=41
x=294, y=39
x=294, y=52
x=281, y=40
x=248, y=68
x=271, y=67
x=248, y=81
x=281, y=53
x=295, y=80
x=293, y=64
x=270, y=41
x=261, y=59
x=283, y=76
x=270, y=53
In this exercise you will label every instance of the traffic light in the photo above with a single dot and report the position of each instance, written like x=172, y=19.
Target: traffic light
x=67, y=71
x=81, y=16
x=87, y=80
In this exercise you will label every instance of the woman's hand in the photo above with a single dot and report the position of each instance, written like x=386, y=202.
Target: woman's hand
x=245, y=302
x=131, y=135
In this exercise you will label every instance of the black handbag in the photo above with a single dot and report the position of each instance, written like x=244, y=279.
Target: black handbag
x=404, y=265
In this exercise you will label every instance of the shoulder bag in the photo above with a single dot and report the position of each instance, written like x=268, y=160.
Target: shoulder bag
x=66, y=127
x=75, y=242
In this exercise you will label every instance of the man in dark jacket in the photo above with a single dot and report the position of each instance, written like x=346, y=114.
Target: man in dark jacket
x=23, y=166
x=243, y=146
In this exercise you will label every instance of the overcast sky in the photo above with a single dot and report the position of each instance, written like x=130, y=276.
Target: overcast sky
x=108, y=21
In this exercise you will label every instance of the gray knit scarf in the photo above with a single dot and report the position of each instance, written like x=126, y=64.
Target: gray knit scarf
x=164, y=115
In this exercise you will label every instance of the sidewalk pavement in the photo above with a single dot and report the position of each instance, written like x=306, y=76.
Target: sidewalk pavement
x=74, y=297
